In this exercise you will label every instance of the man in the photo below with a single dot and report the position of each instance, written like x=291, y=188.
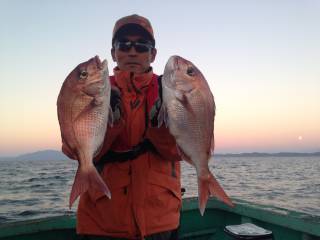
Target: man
x=138, y=161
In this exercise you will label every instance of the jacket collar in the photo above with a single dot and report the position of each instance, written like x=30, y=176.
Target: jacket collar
x=131, y=82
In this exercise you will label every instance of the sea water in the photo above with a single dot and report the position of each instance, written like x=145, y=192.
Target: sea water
x=32, y=189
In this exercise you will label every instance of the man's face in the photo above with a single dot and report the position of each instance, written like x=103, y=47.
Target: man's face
x=132, y=60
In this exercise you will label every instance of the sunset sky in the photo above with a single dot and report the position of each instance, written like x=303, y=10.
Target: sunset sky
x=261, y=59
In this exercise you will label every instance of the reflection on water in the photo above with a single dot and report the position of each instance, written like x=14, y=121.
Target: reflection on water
x=34, y=189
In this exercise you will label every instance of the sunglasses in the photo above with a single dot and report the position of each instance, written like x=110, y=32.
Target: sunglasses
x=140, y=47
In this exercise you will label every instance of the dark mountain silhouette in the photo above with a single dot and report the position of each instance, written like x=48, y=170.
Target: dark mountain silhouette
x=280, y=154
x=58, y=155
x=39, y=155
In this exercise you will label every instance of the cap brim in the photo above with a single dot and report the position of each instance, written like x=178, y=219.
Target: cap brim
x=133, y=29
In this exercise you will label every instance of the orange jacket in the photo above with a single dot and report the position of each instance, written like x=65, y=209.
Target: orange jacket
x=146, y=197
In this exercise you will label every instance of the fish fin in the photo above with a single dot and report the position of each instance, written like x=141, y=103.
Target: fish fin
x=184, y=156
x=179, y=95
x=208, y=185
x=216, y=190
x=203, y=192
x=212, y=144
x=98, y=100
x=67, y=151
x=84, y=180
x=163, y=116
x=184, y=86
x=98, y=150
x=85, y=111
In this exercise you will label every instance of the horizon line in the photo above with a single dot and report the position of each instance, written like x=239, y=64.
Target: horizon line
x=217, y=153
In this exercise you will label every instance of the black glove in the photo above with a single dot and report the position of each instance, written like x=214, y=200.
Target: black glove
x=115, y=104
x=154, y=112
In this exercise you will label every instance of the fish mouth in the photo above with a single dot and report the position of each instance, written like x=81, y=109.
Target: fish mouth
x=102, y=66
x=176, y=62
x=98, y=62
x=173, y=63
x=176, y=65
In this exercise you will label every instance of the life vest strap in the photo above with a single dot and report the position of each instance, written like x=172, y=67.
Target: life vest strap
x=114, y=156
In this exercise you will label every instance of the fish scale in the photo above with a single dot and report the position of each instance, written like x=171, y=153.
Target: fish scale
x=188, y=108
x=190, y=127
x=83, y=107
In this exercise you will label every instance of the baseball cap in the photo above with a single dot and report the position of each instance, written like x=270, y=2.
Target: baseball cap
x=133, y=24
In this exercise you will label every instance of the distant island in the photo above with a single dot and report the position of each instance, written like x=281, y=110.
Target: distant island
x=280, y=154
x=39, y=155
x=58, y=155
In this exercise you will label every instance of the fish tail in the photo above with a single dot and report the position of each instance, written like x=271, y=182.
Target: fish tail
x=209, y=186
x=216, y=190
x=84, y=180
x=203, y=188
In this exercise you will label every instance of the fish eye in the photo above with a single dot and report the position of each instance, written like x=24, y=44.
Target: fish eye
x=190, y=71
x=83, y=74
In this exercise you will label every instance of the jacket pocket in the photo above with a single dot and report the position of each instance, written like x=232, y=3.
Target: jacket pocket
x=163, y=197
x=114, y=213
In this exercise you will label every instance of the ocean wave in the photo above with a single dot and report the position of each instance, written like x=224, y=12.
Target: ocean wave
x=42, y=189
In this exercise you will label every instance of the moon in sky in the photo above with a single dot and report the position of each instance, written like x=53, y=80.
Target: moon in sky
x=300, y=138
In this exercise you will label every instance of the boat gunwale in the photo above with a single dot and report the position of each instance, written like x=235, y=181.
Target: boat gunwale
x=38, y=225
x=298, y=221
